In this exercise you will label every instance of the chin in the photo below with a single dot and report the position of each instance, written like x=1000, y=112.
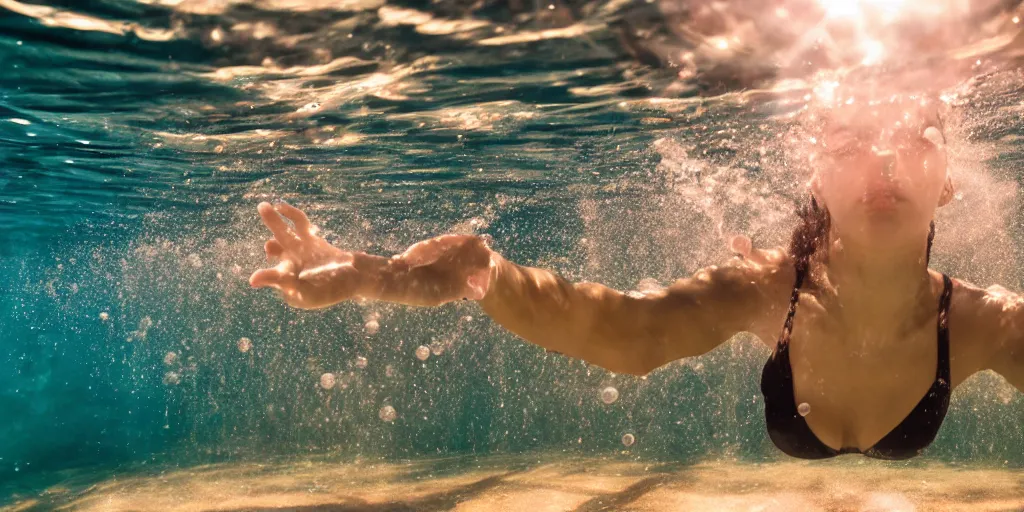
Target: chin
x=887, y=226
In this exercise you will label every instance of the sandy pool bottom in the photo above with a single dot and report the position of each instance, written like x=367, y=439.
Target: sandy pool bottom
x=539, y=484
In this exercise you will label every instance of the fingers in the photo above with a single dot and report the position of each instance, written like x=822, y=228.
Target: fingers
x=276, y=224
x=297, y=216
x=279, y=277
x=267, y=277
x=274, y=249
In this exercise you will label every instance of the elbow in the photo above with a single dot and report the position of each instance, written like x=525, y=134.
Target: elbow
x=639, y=360
x=618, y=357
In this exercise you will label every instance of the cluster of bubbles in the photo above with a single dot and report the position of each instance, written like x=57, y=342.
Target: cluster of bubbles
x=104, y=316
x=141, y=332
x=372, y=327
x=172, y=378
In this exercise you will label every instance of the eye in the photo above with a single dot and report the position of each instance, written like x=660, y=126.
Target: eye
x=844, y=150
x=842, y=145
x=933, y=135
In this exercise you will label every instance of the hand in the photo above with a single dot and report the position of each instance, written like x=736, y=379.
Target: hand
x=311, y=273
x=747, y=254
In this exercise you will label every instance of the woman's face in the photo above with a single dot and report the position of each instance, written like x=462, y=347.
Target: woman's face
x=881, y=170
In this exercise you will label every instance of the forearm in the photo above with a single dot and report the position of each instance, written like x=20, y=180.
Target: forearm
x=572, y=319
x=429, y=273
x=394, y=280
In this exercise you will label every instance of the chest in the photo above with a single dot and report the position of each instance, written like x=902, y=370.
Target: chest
x=859, y=380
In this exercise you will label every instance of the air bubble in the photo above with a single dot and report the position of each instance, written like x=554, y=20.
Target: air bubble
x=422, y=352
x=628, y=440
x=609, y=395
x=372, y=327
x=437, y=348
x=244, y=345
x=387, y=413
x=327, y=380
x=804, y=409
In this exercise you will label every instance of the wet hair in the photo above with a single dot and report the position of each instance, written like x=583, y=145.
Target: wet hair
x=808, y=237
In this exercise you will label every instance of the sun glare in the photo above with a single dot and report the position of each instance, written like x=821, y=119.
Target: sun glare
x=854, y=8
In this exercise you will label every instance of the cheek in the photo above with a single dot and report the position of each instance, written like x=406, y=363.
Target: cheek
x=928, y=176
x=842, y=182
x=934, y=168
x=840, y=190
x=929, y=166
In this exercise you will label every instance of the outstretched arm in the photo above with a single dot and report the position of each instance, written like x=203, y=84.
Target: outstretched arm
x=995, y=322
x=1009, y=362
x=1008, y=355
x=633, y=334
x=625, y=334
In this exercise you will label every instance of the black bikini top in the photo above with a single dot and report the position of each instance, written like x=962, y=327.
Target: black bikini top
x=789, y=431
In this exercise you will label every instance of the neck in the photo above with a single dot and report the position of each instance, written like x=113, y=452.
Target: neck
x=883, y=284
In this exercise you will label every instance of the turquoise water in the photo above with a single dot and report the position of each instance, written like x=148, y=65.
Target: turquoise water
x=137, y=138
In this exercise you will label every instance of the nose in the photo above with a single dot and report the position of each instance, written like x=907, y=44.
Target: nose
x=887, y=160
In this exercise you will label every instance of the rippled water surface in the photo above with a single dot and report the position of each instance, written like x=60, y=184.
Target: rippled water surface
x=611, y=141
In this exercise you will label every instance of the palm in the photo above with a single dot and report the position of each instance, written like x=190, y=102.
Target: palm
x=310, y=272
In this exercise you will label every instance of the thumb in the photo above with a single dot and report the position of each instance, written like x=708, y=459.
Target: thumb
x=268, y=277
x=741, y=245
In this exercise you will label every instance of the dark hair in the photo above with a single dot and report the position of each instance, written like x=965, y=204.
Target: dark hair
x=808, y=237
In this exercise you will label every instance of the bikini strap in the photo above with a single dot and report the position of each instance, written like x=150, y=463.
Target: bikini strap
x=943, y=371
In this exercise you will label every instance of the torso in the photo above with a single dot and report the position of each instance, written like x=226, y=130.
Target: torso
x=861, y=378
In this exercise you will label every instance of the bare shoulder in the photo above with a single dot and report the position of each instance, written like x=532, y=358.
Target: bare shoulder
x=769, y=271
x=981, y=321
x=757, y=287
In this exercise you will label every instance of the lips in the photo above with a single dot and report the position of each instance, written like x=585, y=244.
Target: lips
x=883, y=194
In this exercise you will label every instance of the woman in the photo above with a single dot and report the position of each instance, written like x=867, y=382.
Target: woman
x=868, y=364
